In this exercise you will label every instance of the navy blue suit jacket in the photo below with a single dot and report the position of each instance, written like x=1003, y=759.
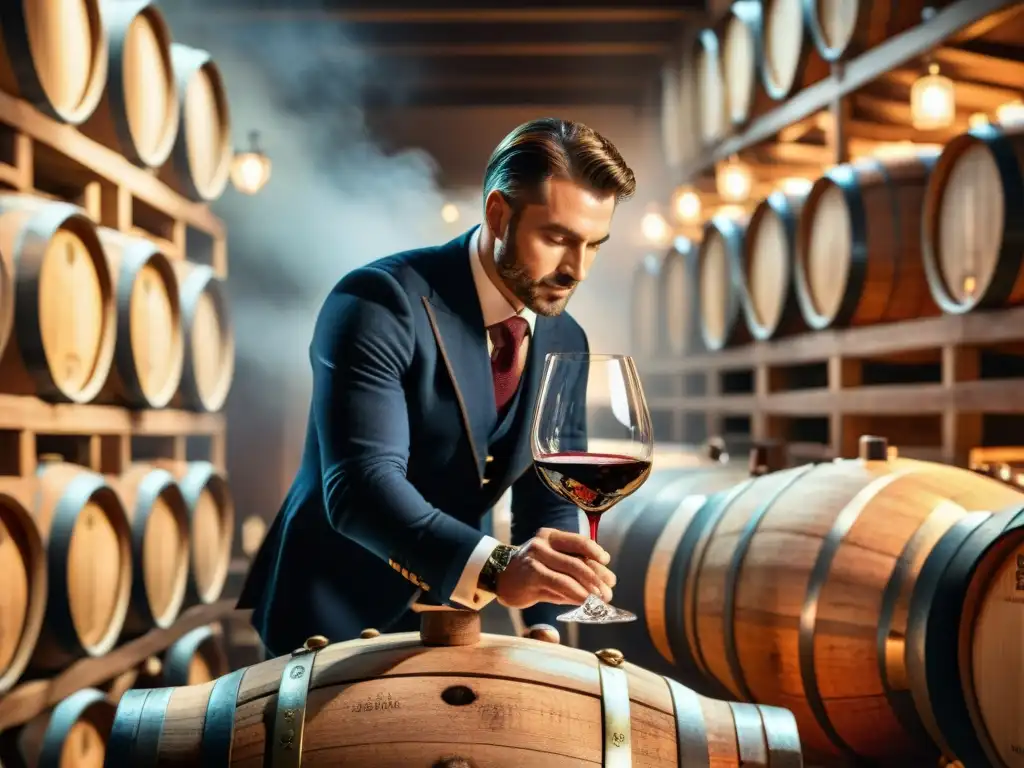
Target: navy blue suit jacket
x=391, y=488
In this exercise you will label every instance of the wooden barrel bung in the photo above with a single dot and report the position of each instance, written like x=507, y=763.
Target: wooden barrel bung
x=719, y=259
x=363, y=692
x=711, y=93
x=973, y=237
x=149, y=354
x=638, y=537
x=742, y=59
x=23, y=596
x=645, y=309
x=769, y=301
x=89, y=558
x=790, y=61
x=844, y=28
x=211, y=526
x=54, y=55
x=74, y=733
x=200, y=161
x=678, y=297
x=159, y=520
x=209, y=364
x=197, y=657
x=796, y=594
x=65, y=316
x=858, y=244
x=139, y=113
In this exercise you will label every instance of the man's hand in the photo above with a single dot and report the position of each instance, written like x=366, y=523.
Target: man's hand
x=555, y=567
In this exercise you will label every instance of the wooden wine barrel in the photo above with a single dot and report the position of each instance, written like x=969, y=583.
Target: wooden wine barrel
x=385, y=700
x=768, y=298
x=65, y=317
x=139, y=113
x=711, y=94
x=159, y=521
x=646, y=320
x=73, y=735
x=858, y=244
x=23, y=594
x=197, y=657
x=960, y=669
x=973, y=235
x=200, y=162
x=54, y=56
x=719, y=260
x=211, y=526
x=209, y=364
x=149, y=354
x=89, y=560
x=790, y=61
x=742, y=59
x=678, y=298
x=629, y=534
x=688, y=110
x=844, y=28
x=792, y=589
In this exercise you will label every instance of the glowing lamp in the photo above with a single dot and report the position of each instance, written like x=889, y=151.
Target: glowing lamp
x=932, y=101
x=250, y=170
x=686, y=205
x=734, y=181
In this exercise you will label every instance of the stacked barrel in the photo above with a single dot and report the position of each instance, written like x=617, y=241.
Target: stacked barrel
x=91, y=315
x=892, y=237
x=870, y=596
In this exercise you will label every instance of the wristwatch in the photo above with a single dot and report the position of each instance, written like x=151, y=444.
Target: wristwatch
x=498, y=561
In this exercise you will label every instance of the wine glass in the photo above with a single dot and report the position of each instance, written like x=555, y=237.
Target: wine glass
x=584, y=397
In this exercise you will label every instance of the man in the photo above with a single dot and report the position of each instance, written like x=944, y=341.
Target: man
x=426, y=366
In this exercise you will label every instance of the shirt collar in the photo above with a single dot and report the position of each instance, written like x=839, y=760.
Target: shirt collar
x=494, y=305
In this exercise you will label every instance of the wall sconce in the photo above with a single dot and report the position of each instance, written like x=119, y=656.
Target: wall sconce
x=250, y=170
x=686, y=205
x=734, y=180
x=932, y=101
x=654, y=228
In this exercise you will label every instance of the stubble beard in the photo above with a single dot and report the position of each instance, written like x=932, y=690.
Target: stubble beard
x=523, y=288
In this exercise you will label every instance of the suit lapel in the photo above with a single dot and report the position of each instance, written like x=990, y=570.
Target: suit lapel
x=453, y=309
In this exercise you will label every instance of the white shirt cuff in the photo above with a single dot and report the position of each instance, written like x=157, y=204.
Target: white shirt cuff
x=467, y=592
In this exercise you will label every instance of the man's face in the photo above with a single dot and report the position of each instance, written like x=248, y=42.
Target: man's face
x=546, y=249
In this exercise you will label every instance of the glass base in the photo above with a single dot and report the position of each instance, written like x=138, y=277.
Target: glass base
x=596, y=611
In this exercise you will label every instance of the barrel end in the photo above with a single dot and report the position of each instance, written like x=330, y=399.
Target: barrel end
x=783, y=737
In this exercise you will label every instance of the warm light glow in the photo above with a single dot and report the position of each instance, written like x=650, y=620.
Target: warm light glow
x=897, y=149
x=686, y=205
x=977, y=119
x=734, y=181
x=794, y=185
x=932, y=101
x=250, y=170
x=1010, y=112
x=450, y=213
x=734, y=212
x=253, y=530
x=654, y=228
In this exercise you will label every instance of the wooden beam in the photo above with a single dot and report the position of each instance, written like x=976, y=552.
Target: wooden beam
x=968, y=65
x=970, y=96
x=455, y=15
x=886, y=133
x=1008, y=13
x=898, y=112
x=856, y=73
x=518, y=49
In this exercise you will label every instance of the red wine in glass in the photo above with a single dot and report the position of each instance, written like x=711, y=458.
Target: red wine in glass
x=585, y=396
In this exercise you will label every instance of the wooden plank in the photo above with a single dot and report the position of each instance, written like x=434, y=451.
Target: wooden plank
x=27, y=700
x=852, y=76
x=25, y=412
x=968, y=65
x=107, y=164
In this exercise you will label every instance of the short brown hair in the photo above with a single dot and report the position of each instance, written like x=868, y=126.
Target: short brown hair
x=551, y=148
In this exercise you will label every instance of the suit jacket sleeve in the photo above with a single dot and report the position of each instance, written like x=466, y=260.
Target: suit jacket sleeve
x=535, y=506
x=362, y=349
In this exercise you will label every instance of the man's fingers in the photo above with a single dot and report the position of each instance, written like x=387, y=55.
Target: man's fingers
x=604, y=574
x=575, y=544
x=575, y=567
x=562, y=584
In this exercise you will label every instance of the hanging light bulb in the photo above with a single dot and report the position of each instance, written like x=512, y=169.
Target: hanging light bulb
x=977, y=119
x=654, y=228
x=734, y=181
x=794, y=185
x=450, y=213
x=1010, y=112
x=250, y=170
x=686, y=204
x=932, y=101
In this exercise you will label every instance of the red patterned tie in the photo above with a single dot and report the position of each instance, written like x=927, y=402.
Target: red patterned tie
x=508, y=338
